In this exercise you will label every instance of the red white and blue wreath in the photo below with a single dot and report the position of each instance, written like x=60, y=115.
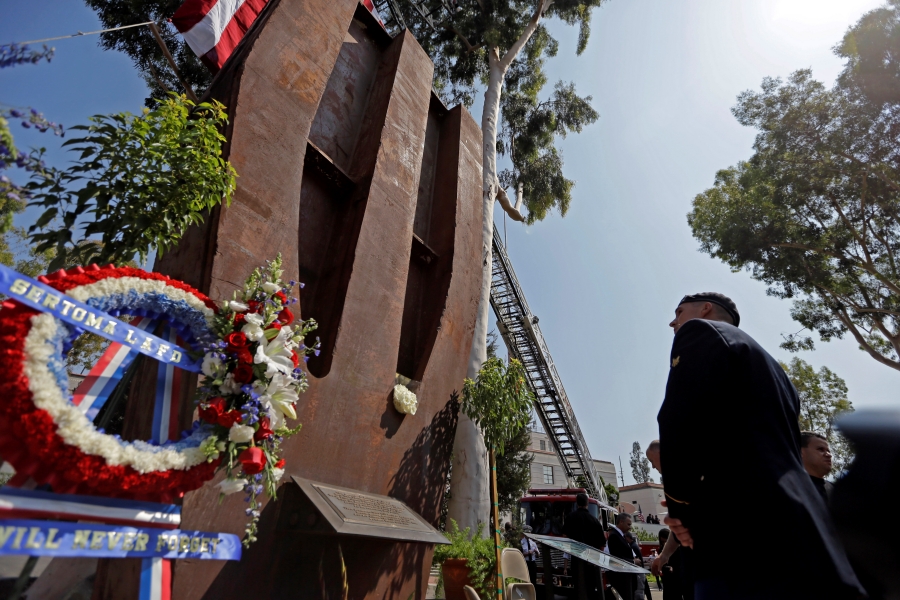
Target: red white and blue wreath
x=252, y=351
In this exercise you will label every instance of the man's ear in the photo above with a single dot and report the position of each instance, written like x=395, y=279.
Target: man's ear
x=706, y=310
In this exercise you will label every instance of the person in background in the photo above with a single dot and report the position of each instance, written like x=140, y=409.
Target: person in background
x=625, y=584
x=531, y=553
x=718, y=375
x=644, y=586
x=668, y=569
x=584, y=527
x=816, y=455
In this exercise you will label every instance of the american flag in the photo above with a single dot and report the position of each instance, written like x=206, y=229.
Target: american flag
x=639, y=515
x=213, y=28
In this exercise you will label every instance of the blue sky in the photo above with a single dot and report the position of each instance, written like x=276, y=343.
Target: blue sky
x=604, y=280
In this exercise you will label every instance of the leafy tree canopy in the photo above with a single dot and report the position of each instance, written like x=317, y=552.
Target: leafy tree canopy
x=141, y=181
x=514, y=471
x=498, y=401
x=871, y=48
x=462, y=46
x=640, y=466
x=823, y=396
x=814, y=213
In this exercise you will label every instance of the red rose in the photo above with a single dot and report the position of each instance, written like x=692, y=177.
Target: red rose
x=295, y=359
x=264, y=430
x=243, y=355
x=280, y=464
x=253, y=460
x=236, y=340
x=238, y=319
x=274, y=325
x=215, y=409
x=243, y=373
x=254, y=306
x=286, y=316
x=280, y=295
x=230, y=418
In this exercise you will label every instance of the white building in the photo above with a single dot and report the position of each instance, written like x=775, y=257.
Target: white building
x=646, y=497
x=548, y=472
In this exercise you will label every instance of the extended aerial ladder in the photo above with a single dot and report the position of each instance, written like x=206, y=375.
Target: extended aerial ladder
x=520, y=332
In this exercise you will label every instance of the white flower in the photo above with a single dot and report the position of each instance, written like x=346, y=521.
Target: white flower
x=275, y=354
x=230, y=386
x=232, y=486
x=253, y=327
x=277, y=474
x=404, y=400
x=240, y=434
x=276, y=417
x=237, y=306
x=212, y=364
x=281, y=395
x=270, y=287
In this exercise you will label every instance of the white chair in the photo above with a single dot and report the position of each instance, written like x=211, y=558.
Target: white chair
x=470, y=593
x=512, y=564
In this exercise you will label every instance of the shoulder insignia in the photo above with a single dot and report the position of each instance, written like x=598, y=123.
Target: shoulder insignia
x=675, y=361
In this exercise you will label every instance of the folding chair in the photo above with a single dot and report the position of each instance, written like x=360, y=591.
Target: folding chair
x=470, y=593
x=512, y=564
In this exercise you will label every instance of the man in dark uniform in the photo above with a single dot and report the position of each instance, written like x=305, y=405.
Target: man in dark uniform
x=584, y=527
x=730, y=410
x=816, y=455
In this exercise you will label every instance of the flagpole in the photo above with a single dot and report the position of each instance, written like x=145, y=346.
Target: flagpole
x=165, y=49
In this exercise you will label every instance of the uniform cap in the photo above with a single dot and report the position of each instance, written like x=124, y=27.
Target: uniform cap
x=716, y=298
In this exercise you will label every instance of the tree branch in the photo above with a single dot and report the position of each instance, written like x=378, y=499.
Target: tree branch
x=851, y=327
x=514, y=50
x=508, y=208
x=469, y=47
x=870, y=270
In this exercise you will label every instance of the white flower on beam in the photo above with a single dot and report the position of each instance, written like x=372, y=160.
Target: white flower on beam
x=404, y=400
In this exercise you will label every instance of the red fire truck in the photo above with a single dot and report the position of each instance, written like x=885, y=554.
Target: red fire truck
x=545, y=511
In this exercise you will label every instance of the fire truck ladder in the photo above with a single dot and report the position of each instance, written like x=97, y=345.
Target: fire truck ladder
x=524, y=341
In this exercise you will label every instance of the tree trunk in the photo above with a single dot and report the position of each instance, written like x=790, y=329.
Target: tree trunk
x=470, y=493
x=469, y=486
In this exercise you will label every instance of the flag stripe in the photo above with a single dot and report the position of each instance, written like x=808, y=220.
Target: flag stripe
x=205, y=35
x=190, y=13
x=48, y=505
x=235, y=30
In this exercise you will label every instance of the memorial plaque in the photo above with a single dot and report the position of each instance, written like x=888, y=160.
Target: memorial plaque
x=353, y=512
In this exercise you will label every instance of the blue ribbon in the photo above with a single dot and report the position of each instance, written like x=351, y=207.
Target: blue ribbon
x=44, y=298
x=65, y=539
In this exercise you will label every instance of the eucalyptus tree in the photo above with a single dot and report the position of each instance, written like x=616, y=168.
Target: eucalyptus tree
x=815, y=212
x=489, y=45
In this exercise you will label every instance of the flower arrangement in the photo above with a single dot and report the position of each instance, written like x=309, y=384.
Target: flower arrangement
x=42, y=434
x=252, y=380
x=252, y=350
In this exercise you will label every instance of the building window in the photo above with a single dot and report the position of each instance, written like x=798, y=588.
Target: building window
x=543, y=445
x=548, y=474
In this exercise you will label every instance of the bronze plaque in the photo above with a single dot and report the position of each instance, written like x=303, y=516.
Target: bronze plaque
x=353, y=512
